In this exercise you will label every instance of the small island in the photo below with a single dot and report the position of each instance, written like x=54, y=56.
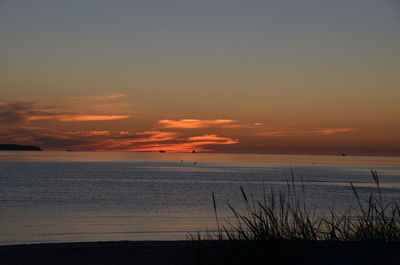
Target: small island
x=16, y=147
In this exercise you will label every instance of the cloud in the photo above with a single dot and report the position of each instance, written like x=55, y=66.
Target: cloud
x=211, y=137
x=274, y=133
x=291, y=131
x=90, y=133
x=156, y=136
x=15, y=112
x=76, y=117
x=194, y=123
x=327, y=131
x=168, y=141
x=110, y=97
x=99, y=97
x=199, y=123
x=47, y=138
x=104, y=140
x=203, y=143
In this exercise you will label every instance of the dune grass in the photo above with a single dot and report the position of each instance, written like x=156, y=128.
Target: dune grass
x=283, y=221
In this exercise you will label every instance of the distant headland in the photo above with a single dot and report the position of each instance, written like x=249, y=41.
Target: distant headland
x=16, y=147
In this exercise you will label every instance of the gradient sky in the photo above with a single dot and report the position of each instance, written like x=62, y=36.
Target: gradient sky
x=307, y=77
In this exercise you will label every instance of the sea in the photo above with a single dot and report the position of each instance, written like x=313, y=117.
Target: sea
x=50, y=197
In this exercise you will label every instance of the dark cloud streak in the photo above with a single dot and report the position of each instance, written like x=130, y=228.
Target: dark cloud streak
x=17, y=112
x=13, y=112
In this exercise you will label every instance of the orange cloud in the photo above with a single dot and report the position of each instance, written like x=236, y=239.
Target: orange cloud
x=16, y=112
x=158, y=140
x=323, y=131
x=327, y=131
x=91, y=133
x=194, y=123
x=209, y=137
x=155, y=136
x=53, y=139
x=99, y=97
x=74, y=117
x=128, y=141
x=274, y=133
x=110, y=97
x=199, y=143
x=336, y=130
x=176, y=147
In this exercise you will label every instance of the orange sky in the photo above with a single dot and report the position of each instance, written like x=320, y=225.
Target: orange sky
x=111, y=123
x=212, y=76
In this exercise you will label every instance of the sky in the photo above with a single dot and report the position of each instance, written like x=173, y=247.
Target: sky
x=290, y=77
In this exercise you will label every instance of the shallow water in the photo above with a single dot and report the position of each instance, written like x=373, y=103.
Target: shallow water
x=86, y=196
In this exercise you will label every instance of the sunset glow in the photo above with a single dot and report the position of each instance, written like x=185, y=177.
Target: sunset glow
x=68, y=118
x=310, y=78
x=194, y=123
x=265, y=132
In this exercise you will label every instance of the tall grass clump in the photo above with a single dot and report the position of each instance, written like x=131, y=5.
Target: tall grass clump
x=283, y=220
x=286, y=216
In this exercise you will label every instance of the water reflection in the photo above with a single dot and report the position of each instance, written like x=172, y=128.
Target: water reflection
x=83, y=196
x=190, y=158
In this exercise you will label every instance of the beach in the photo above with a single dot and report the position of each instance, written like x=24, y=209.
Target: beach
x=124, y=252
x=186, y=252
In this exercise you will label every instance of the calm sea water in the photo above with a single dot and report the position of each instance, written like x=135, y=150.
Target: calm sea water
x=87, y=196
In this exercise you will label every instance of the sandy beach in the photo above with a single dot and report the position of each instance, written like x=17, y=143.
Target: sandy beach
x=124, y=252
x=183, y=252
